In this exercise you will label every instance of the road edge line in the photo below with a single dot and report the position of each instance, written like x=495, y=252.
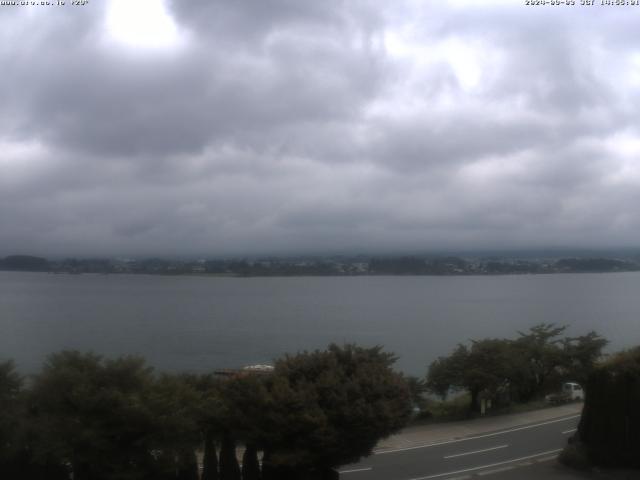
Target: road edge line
x=485, y=435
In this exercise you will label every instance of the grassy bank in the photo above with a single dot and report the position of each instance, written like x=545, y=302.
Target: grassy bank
x=457, y=408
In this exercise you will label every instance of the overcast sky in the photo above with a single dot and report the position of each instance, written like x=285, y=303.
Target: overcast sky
x=143, y=127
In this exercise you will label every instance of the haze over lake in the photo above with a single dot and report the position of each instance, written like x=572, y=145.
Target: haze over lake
x=201, y=323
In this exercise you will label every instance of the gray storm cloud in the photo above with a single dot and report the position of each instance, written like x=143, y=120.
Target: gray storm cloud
x=284, y=126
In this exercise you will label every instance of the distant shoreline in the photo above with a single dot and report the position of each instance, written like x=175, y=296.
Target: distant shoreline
x=326, y=266
x=233, y=275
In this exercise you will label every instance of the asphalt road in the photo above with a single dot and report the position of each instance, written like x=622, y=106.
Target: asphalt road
x=482, y=454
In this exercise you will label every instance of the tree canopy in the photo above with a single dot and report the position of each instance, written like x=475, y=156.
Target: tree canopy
x=329, y=408
x=92, y=414
x=116, y=419
x=10, y=439
x=519, y=369
x=609, y=430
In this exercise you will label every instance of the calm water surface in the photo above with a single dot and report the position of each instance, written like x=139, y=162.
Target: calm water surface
x=200, y=323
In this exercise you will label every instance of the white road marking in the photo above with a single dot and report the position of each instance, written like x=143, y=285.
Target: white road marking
x=569, y=431
x=476, y=451
x=355, y=470
x=546, y=459
x=480, y=467
x=447, y=442
x=496, y=470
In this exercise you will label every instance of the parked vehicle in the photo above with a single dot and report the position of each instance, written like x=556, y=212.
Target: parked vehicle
x=570, y=392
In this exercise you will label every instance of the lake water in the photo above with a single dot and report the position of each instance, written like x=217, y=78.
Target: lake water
x=202, y=323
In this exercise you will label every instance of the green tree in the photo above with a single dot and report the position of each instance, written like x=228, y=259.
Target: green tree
x=609, y=430
x=417, y=389
x=91, y=414
x=531, y=365
x=175, y=405
x=229, y=467
x=209, y=416
x=245, y=399
x=447, y=373
x=12, y=427
x=581, y=354
x=483, y=368
x=539, y=357
x=250, y=464
x=329, y=408
x=489, y=369
x=210, y=457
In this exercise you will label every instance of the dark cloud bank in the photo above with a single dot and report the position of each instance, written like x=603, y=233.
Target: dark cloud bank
x=285, y=126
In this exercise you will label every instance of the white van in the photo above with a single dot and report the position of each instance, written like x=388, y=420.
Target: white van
x=573, y=391
x=569, y=392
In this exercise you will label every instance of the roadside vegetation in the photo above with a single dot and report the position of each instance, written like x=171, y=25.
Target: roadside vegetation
x=497, y=373
x=456, y=408
x=609, y=431
x=90, y=418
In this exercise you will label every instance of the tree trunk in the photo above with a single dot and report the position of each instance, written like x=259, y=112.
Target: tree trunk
x=81, y=471
x=164, y=467
x=267, y=468
x=229, y=468
x=48, y=471
x=250, y=464
x=187, y=465
x=280, y=472
x=474, y=406
x=210, y=460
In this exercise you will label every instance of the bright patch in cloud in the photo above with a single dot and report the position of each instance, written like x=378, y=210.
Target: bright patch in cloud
x=625, y=151
x=634, y=70
x=141, y=24
x=19, y=160
x=463, y=60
